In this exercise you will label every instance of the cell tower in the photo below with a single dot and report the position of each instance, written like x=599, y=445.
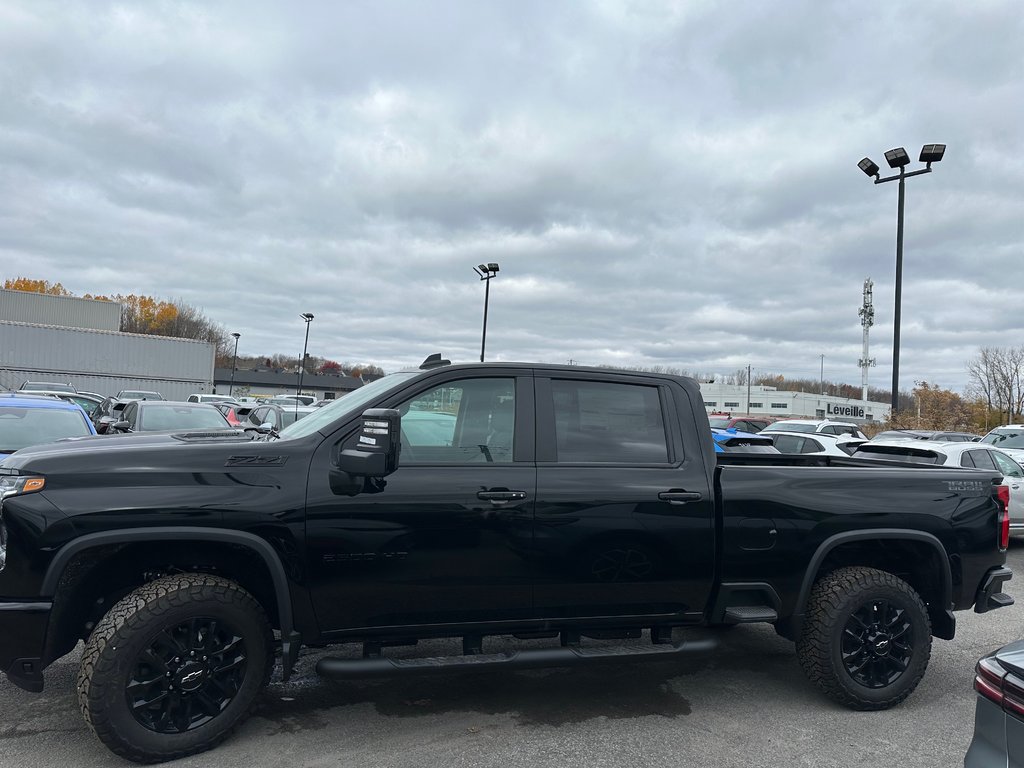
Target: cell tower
x=867, y=319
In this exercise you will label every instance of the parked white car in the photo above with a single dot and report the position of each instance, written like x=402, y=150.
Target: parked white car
x=1008, y=438
x=819, y=443
x=303, y=399
x=823, y=426
x=203, y=397
x=969, y=455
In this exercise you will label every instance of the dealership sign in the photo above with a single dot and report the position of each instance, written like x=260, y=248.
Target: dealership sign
x=856, y=411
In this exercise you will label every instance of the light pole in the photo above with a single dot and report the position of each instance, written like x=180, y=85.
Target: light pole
x=486, y=272
x=308, y=317
x=234, y=364
x=898, y=158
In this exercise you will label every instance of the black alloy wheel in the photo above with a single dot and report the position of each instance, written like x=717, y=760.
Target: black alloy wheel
x=187, y=675
x=174, y=666
x=866, y=637
x=878, y=643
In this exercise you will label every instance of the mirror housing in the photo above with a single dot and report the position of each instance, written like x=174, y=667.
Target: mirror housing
x=378, y=445
x=120, y=426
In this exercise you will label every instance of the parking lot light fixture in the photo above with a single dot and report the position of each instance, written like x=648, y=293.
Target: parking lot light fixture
x=234, y=364
x=308, y=317
x=898, y=158
x=868, y=166
x=486, y=272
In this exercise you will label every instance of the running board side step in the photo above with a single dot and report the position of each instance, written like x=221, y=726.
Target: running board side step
x=531, y=658
x=748, y=614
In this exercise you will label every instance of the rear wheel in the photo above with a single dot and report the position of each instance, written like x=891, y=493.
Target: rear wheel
x=866, y=638
x=174, y=666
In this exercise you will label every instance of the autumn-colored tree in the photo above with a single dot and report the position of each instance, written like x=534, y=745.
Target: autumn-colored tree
x=36, y=286
x=330, y=368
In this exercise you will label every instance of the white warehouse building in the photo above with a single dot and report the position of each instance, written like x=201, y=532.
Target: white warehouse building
x=769, y=401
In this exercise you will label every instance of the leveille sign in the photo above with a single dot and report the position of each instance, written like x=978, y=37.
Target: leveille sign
x=856, y=411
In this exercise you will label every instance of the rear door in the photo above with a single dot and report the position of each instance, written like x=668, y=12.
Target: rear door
x=624, y=514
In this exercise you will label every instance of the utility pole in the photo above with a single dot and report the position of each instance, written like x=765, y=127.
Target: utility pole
x=821, y=390
x=748, y=387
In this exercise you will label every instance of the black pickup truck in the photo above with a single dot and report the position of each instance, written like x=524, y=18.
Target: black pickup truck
x=469, y=501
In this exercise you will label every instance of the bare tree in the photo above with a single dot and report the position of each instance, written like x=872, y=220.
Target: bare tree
x=997, y=377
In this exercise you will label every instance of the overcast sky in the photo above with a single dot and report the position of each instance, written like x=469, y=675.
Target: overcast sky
x=662, y=183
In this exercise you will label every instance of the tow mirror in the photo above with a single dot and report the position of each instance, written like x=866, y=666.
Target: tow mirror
x=377, y=446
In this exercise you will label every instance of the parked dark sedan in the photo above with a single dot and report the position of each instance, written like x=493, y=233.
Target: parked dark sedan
x=106, y=413
x=237, y=415
x=277, y=416
x=165, y=415
x=999, y=712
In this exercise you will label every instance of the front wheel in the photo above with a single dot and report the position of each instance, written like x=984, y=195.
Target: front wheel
x=174, y=666
x=866, y=638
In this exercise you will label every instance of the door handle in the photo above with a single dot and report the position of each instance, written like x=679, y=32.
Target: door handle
x=680, y=497
x=499, y=497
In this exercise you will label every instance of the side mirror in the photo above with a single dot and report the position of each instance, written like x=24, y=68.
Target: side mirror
x=120, y=426
x=378, y=445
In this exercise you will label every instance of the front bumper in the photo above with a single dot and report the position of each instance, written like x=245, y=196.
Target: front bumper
x=990, y=595
x=22, y=639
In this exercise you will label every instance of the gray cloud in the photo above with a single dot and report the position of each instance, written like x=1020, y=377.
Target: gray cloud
x=663, y=183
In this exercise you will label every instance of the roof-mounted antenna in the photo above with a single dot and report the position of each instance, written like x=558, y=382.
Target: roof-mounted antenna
x=433, y=361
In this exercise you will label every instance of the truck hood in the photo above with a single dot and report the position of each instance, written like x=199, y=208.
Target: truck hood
x=104, y=453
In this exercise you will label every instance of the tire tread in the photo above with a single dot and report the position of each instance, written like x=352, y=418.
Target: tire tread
x=827, y=602
x=131, y=615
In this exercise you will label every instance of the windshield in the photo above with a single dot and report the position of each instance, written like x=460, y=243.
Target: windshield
x=47, y=386
x=1005, y=438
x=163, y=417
x=138, y=394
x=21, y=427
x=345, y=405
x=789, y=426
x=719, y=422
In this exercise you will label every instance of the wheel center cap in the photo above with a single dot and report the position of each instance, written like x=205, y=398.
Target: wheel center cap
x=191, y=677
x=880, y=644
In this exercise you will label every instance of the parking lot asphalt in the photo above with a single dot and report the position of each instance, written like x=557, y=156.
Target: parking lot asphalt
x=747, y=704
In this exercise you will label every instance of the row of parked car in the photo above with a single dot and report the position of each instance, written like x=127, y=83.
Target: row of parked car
x=1001, y=450
x=42, y=412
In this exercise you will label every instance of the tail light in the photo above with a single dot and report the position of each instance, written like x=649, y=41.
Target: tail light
x=999, y=686
x=1003, y=494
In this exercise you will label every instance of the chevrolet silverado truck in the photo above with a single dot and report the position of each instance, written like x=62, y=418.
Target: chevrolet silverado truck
x=470, y=501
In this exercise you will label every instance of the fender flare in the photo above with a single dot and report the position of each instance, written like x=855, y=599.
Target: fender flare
x=874, y=534
x=290, y=639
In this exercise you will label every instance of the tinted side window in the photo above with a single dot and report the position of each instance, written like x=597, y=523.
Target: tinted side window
x=982, y=459
x=1006, y=465
x=608, y=422
x=788, y=443
x=812, y=446
x=471, y=420
x=966, y=460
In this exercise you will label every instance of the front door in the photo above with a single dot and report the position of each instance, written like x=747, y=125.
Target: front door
x=443, y=541
x=624, y=517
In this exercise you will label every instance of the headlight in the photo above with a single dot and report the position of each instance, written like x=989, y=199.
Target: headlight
x=14, y=485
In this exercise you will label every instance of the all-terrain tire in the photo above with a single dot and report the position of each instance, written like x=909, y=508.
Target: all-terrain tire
x=861, y=663
x=137, y=638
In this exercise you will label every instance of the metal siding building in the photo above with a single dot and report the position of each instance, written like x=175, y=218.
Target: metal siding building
x=104, y=361
x=769, y=401
x=63, y=311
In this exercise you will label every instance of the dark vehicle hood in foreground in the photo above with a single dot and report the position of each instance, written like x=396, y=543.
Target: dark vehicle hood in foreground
x=105, y=453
